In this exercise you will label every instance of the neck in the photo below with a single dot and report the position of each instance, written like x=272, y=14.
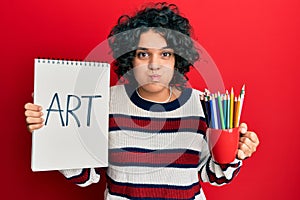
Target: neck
x=158, y=97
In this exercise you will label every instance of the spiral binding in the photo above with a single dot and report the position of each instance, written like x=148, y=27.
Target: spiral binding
x=72, y=62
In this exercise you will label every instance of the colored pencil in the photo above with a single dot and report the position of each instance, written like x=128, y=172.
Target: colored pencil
x=204, y=108
x=208, y=109
x=214, y=122
x=236, y=111
x=228, y=109
x=218, y=111
x=242, y=95
x=221, y=113
x=231, y=108
x=225, y=109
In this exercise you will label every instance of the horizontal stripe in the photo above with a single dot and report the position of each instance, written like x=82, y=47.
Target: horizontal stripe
x=158, y=151
x=157, y=125
x=158, y=158
x=221, y=170
x=100, y=170
x=224, y=167
x=157, y=118
x=161, y=164
x=182, y=140
x=220, y=180
x=199, y=196
x=152, y=191
x=81, y=178
x=150, y=175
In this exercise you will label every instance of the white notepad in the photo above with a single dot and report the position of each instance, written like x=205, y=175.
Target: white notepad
x=75, y=100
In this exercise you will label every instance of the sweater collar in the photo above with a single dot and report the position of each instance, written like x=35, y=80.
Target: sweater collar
x=157, y=107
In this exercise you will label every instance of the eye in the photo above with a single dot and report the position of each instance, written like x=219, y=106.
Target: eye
x=166, y=54
x=142, y=54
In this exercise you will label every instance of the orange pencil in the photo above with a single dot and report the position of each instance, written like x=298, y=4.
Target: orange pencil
x=237, y=103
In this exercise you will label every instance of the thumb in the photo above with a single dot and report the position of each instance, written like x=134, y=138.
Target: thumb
x=243, y=128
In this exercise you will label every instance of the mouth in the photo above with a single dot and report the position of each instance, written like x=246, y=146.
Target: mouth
x=155, y=77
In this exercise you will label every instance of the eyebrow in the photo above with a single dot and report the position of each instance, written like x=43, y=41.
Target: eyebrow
x=145, y=48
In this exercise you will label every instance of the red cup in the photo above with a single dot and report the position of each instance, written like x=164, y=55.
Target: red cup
x=223, y=144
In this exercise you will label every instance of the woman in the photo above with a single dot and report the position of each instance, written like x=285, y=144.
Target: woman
x=157, y=143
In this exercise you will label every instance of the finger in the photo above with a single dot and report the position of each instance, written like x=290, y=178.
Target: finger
x=29, y=113
x=34, y=120
x=241, y=155
x=252, y=136
x=246, y=150
x=250, y=144
x=243, y=128
x=31, y=106
x=33, y=127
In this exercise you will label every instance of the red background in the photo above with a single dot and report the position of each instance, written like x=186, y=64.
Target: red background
x=254, y=42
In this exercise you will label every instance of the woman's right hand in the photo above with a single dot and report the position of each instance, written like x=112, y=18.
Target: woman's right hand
x=33, y=114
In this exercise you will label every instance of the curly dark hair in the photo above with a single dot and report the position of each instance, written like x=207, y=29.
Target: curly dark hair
x=164, y=19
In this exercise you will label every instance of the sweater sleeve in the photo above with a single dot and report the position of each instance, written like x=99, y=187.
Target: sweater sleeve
x=82, y=177
x=215, y=173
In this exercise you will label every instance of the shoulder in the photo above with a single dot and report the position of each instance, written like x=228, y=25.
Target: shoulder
x=196, y=92
x=117, y=91
x=117, y=88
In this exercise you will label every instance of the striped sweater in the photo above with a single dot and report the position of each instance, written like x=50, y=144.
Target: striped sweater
x=156, y=151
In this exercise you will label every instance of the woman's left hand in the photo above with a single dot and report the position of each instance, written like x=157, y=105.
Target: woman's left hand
x=248, y=142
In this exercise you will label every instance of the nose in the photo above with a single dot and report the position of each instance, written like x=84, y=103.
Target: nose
x=154, y=62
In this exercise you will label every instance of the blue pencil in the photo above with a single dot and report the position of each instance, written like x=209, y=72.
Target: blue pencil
x=211, y=125
x=214, y=121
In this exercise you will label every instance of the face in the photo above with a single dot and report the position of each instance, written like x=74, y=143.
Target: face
x=153, y=64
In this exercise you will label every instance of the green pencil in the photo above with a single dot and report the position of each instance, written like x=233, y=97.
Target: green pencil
x=242, y=93
x=241, y=97
x=221, y=111
x=225, y=109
